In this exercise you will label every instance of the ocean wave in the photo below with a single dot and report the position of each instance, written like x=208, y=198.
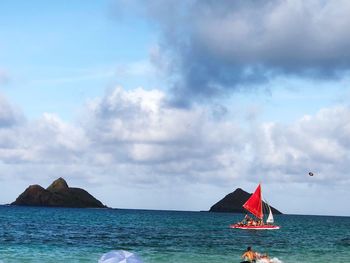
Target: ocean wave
x=271, y=260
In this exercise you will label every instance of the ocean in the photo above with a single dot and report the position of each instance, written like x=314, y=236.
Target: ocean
x=35, y=234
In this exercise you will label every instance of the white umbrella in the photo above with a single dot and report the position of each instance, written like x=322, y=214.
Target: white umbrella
x=119, y=256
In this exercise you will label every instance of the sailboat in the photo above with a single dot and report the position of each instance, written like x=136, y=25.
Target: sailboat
x=254, y=205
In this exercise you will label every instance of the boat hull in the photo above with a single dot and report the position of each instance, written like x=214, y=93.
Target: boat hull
x=263, y=227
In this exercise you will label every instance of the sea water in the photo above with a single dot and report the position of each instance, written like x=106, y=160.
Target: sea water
x=33, y=234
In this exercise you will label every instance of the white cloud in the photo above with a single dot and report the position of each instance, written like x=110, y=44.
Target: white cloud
x=137, y=129
x=314, y=143
x=9, y=114
x=140, y=126
x=133, y=140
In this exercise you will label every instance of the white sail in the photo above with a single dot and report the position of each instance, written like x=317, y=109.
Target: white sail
x=269, y=219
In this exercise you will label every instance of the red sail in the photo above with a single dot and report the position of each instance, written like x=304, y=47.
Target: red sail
x=254, y=204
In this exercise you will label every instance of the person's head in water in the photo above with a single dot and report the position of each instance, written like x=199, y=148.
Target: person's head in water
x=249, y=248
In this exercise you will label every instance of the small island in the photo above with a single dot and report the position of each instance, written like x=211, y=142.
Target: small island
x=233, y=203
x=58, y=194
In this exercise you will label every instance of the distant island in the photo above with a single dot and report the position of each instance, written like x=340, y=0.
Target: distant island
x=58, y=194
x=233, y=203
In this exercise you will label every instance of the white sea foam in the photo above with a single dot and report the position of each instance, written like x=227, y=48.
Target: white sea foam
x=272, y=260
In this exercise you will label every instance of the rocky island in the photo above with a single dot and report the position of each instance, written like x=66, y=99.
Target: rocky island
x=58, y=194
x=233, y=203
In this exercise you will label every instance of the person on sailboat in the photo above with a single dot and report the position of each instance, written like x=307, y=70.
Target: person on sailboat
x=249, y=256
x=245, y=221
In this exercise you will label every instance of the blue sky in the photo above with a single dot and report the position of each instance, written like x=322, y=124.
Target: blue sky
x=134, y=100
x=63, y=54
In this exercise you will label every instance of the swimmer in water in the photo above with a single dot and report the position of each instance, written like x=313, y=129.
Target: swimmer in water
x=249, y=256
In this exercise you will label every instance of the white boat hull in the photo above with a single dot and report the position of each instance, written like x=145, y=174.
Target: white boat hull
x=263, y=227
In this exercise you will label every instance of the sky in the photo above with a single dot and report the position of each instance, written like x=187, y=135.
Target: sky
x=168, y=105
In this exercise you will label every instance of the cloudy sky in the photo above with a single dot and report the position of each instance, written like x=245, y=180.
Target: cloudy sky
x=168, y=105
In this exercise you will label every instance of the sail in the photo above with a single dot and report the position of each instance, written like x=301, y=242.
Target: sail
x=269, y=219
x=254, y=203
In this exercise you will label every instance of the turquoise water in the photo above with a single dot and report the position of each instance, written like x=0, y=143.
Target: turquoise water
x=31, y=234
